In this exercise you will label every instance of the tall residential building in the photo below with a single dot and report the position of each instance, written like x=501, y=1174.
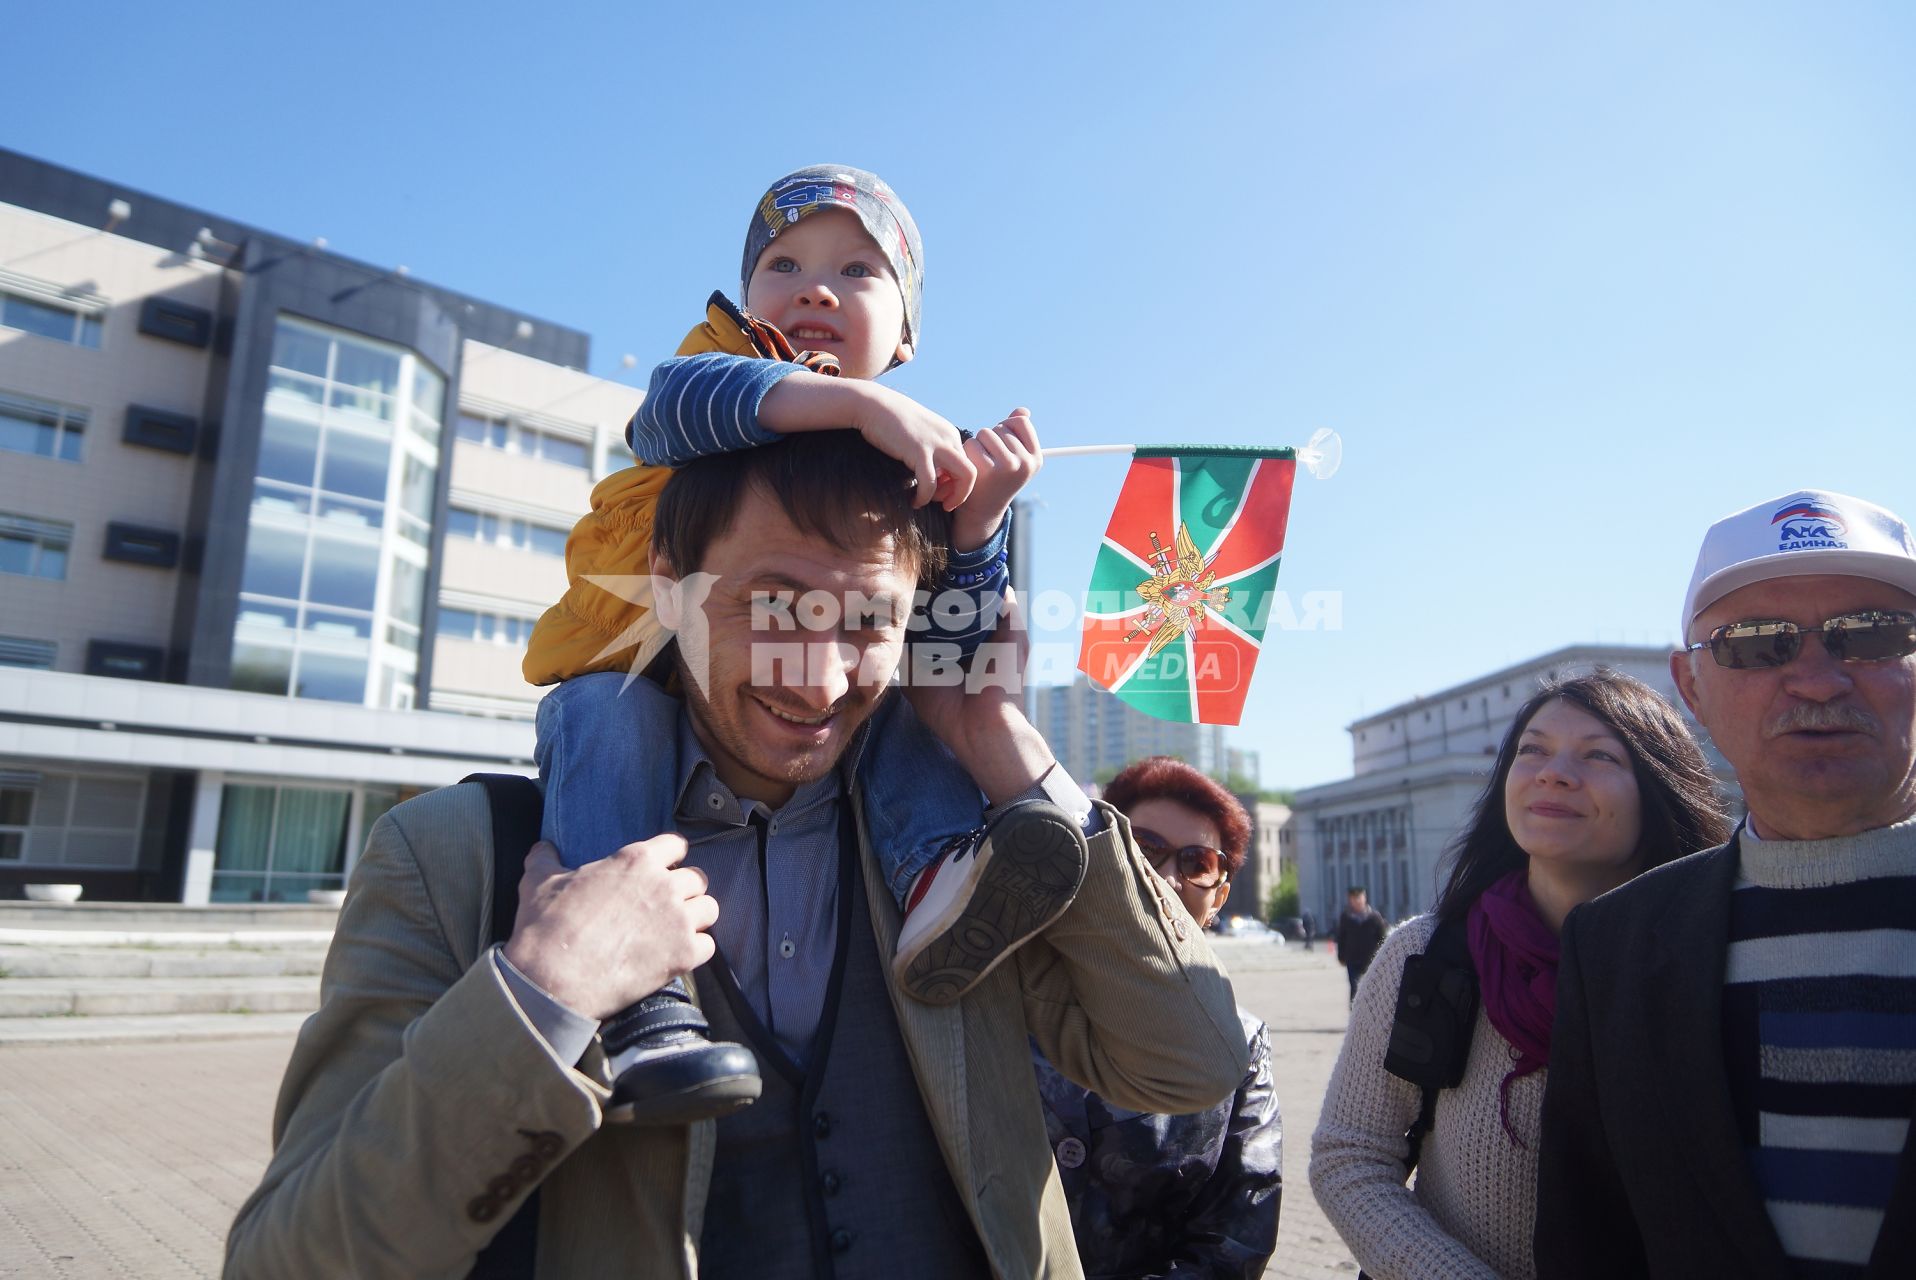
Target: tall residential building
x=1417, y=768
x=267, y=516
x=1094, y=733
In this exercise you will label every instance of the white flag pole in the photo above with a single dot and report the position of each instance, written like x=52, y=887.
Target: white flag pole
x=1079, y=450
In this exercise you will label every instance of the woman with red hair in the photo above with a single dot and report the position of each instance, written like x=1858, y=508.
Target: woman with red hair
x=1174, y=1196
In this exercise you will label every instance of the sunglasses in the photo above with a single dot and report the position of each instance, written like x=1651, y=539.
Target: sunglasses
x=1871, y=636
x=1198, y=865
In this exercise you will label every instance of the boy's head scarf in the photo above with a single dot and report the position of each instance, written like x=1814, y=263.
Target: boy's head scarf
x=880, y=212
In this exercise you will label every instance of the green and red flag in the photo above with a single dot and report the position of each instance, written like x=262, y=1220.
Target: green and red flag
x=1175, y=614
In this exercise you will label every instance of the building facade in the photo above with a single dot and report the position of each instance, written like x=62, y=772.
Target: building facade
x=1417, y=769
x=274, y=525
x=1094, y=733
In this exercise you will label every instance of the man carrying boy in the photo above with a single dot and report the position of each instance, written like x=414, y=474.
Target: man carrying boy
x=443, y=1082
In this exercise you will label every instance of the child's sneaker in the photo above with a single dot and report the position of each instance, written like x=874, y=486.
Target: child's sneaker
x=974, y=906
x=665, y=1071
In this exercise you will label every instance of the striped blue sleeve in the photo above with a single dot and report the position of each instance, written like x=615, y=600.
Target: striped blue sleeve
x=701, y=405
x=968, y=597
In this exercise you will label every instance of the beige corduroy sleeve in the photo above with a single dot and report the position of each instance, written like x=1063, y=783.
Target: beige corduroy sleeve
x=420, y=1107
x=1124, y=996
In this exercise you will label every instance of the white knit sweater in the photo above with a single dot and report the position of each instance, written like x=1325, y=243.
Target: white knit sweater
x=1475, y=1198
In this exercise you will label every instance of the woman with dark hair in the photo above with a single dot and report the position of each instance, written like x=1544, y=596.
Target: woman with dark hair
x=1598, y=780
x=1174, y=1196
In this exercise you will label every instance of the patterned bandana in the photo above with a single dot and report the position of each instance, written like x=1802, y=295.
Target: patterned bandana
x=879, y=210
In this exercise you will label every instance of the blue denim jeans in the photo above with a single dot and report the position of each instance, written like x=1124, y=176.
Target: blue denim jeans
x=608, y=757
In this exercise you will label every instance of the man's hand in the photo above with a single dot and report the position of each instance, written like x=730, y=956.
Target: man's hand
x=891, y=422
x=599, y=938
x=982, y=719
x=1006, y=457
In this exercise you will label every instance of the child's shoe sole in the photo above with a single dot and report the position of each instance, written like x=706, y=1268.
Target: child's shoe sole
x=1026, y=871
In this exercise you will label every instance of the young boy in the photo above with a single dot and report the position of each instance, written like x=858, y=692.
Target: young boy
x=833, y=263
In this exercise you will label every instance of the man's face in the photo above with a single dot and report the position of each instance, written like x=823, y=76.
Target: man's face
x=1359, y=903
x=798, y=642
x=826, y=285
x=1821, y=748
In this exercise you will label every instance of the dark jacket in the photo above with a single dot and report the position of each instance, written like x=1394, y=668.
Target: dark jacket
x=1358, y=938
x=1643, y=1170
x=1180, y=1197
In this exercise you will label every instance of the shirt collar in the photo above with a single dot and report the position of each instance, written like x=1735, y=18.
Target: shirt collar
x=702, y=797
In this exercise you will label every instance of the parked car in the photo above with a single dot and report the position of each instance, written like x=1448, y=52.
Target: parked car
x=1248, y=928
x=1292, y=927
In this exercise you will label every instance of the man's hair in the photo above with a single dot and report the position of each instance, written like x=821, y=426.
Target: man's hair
x=1356, y=891
x=830, y=484
x=1676, y=790
x=1168, y=778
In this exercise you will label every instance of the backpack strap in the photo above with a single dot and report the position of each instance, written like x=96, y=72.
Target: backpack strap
x=1431, y=1031
x=517, y=809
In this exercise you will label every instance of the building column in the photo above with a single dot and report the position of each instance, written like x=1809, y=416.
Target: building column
x=202, y=835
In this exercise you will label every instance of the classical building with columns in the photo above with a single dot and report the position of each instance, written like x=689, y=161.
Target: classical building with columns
x=274, y=526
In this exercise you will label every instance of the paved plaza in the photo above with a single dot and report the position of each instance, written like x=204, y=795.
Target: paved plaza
x=129, y=1160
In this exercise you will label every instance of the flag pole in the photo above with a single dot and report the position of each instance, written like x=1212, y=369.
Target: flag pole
x=1079, y=450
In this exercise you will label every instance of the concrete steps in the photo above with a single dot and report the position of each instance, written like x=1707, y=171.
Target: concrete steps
x=105, y=972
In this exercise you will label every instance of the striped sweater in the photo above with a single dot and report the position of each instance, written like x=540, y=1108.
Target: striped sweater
x=1819, y=1031
x=708, y=403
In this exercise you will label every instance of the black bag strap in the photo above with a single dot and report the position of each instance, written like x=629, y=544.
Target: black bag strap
x=517, y=809
x=1433, y=1025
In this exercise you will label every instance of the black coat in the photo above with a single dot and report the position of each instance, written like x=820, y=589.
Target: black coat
x=1643, y=1170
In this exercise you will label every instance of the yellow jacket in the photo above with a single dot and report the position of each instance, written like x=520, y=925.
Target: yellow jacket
x=594, y=627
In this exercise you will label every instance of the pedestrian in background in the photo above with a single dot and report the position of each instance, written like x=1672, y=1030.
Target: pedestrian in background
x=1360, y=931
x=1597, y=779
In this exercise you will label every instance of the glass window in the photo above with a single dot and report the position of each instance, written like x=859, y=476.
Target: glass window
x=547, y=541
x=288, y=450
x=416, y=488
x=35, y=655
x=571, y=453
x=343, y=573
x=275, y=559
x=461, y=523
x=471, y=428
x=428, y=391
x=458, y=623
x=299, y=348
x=34, y=548
x=331, y=677
x=49, y=320
x=355, y=464
x=40, y=428
x=408, y=590
x=366, y=367
x=333, y=622
x=259, y=668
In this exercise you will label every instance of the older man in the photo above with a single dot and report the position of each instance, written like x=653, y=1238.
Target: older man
x=1733, y=1069
x=443, y=1081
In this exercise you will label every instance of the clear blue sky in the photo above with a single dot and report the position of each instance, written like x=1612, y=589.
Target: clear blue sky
x=1572, y=281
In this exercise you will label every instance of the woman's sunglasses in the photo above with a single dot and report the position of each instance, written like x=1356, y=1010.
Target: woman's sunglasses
x=1870, y=636
x=1198, y=865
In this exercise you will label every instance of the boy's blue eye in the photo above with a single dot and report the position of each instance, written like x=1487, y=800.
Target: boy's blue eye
x=857, y=270
x=785, y=265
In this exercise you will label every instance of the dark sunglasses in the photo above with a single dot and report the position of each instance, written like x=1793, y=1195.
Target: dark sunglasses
x=1198, y=865
x=1871, y=636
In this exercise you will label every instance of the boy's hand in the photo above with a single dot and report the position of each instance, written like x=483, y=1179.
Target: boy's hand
x=1006, y=456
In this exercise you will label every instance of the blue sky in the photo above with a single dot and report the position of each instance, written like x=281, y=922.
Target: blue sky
x=1571, y=281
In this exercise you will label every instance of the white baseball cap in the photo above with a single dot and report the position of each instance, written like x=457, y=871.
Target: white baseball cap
x=1809, y=531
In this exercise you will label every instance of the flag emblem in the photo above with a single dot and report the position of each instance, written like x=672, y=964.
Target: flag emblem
x=1175, y=631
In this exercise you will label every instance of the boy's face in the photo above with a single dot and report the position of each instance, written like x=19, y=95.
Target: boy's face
x=825, y=283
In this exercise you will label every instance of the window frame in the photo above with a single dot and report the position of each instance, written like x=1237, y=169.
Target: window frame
x=70, y=424
x=39, y=534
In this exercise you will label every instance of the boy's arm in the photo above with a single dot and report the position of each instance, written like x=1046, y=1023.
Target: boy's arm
x=714, y=402
x=1007, y=457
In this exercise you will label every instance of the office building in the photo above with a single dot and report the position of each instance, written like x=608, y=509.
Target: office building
x=274, y=526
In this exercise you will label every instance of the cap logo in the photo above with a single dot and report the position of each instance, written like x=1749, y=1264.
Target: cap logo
x=1809, y=525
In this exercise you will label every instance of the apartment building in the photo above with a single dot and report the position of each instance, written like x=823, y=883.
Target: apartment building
x=274, y=526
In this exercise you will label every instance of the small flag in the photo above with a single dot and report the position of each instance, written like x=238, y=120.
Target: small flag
x=1185, y=580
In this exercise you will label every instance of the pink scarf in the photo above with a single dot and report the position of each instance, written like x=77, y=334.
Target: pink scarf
x=1515, y=955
